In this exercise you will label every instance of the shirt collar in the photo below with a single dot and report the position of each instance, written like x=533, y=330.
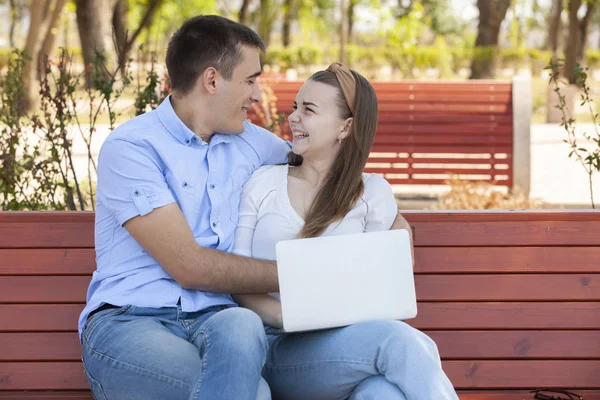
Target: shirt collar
x=170, y=120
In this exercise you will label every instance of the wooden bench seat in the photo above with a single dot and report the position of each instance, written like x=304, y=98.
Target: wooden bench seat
x=430, y=131
x=511, y=298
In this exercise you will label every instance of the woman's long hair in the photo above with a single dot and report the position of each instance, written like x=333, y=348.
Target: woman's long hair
x=343, y=186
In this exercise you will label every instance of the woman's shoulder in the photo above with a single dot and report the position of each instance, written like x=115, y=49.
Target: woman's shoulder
x=375, y=182
x=266, y=177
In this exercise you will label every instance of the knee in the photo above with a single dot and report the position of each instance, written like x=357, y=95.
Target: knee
x=241, y=330
x=401, y=335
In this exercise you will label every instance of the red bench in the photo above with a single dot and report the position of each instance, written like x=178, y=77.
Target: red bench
x=511, y=298
x=430, y=131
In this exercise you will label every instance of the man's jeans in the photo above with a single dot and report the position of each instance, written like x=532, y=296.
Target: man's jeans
x=372, y=360
x=144, y=353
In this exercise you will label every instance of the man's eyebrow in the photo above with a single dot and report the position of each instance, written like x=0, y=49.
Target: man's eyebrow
x=254, y=75
x=308, y=103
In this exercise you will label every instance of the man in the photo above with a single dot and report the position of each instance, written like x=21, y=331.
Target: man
x=159, y=321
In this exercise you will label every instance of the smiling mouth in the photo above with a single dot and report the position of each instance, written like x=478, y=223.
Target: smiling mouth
x=300, y=135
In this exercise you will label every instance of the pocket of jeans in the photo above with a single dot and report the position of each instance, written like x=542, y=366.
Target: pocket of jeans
x=95, y=387
x=90, y=325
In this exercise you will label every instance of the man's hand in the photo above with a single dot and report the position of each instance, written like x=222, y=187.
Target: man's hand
x=401, y=223
x=165, y=234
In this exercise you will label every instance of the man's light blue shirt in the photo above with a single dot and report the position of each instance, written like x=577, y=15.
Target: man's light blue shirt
x=154, y=160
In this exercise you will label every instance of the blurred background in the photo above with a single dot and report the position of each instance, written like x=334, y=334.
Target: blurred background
x=71, y=71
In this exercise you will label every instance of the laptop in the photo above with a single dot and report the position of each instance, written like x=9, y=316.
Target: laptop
x=335, y=281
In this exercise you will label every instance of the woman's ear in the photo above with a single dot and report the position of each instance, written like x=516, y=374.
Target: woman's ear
x=346, y=129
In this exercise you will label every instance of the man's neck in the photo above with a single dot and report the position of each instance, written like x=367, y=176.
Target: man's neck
x=191, y=114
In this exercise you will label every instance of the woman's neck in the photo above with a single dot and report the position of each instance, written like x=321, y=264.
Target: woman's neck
x=313, y=172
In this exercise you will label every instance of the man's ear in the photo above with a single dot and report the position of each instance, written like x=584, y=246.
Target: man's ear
x=346, y=128
x=208, y=80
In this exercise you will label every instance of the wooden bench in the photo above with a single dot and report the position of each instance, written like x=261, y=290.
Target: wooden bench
x=430, y=131
x=511, y=298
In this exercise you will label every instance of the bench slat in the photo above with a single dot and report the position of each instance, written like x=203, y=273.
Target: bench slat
x=464, y=288
x=499, y=315
x=463, y=374
x=52, y=234
x=47, y=261
x=43, y=289
x=438, y=316
x=64, y=346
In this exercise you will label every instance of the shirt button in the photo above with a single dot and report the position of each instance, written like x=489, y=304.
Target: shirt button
x=212, y=186
x=214, y=224
x=184, y=184
x=136, y=193
x=187, y=141
x=195, y=138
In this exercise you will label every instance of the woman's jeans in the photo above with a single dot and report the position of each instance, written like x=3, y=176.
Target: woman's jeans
x=219, y=353
x=372, y=360
x=134, y=353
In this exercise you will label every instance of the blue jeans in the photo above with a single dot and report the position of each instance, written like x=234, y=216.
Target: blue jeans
x=144, y=353
x=372, y=360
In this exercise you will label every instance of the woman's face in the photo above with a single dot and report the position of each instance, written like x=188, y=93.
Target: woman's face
x=316, y=122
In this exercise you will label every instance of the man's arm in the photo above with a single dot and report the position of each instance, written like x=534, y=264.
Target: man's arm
x=165, y=235
x=401, y=223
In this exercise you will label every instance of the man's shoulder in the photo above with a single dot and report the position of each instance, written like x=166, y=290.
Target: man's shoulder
x=138, y=129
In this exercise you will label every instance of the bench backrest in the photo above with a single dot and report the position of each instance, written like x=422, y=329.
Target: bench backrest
x=431, y=131
x=511, y=298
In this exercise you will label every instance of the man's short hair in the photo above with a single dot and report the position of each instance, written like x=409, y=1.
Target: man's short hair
x=207, y=41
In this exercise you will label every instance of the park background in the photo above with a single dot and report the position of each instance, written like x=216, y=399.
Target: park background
x=71, y=71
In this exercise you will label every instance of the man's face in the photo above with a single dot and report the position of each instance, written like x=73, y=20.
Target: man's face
x=235, y=97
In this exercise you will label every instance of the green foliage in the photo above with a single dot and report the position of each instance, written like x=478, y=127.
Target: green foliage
x=588, y=158
x=37, y=166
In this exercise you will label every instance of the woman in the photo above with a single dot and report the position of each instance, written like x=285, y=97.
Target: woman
x=333, y=125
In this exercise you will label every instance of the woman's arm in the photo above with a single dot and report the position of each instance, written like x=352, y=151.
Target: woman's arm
x=267, y=307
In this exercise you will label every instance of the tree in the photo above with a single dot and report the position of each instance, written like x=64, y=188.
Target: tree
x=554, y=25
x=343, y=38
x=577, y=37
x=243, y=14
x=290, y=10
x=95, y=31
x=491, y=15
x=267, y=16
x=44, y=15
x=123, y=41
x=16, y=8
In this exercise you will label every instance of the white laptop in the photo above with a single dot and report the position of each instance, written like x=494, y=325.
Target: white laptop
x=335, y=281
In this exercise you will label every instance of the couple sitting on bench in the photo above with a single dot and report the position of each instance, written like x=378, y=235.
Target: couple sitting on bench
x=160, y=320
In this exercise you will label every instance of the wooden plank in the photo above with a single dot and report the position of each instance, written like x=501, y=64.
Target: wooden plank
x=47, y=261
x=505, y=316
x=43, y=289
x=440, y=260
x=508, y=287
x=438, y=316
x=489, y=129
x=441, y=181
x=39, y=317
x=507, y=233
x=42, y=376
x=523, y=374
x=483, y=216
x=463, y=374
x=562, y=344
x=463, y=395
x=441, y=160
x=46, y=234
x=70, y=395
x=417, y=118
x=446, y=170
x=443, y=149
x=43, y=346
x=442, y=139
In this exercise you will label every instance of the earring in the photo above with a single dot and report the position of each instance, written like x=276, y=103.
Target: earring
x=340, y=140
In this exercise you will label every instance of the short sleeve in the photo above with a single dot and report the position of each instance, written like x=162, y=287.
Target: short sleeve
x=130, y=180
x=381, y=204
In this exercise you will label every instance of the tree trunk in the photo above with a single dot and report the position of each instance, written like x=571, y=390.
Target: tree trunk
x=573, y=40
x=351, y=18
x=44, y=15
x=50, y=37
x=268, y=13
x=13, y=22
x=491, y=15
x=343, y=37
x=243, y=14
x=119, y=26
x=95, y=32
x=287, y=22
x=554, y=25
x=584, y=29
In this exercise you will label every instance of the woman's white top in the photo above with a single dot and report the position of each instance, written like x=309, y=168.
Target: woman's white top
x=267, y=216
